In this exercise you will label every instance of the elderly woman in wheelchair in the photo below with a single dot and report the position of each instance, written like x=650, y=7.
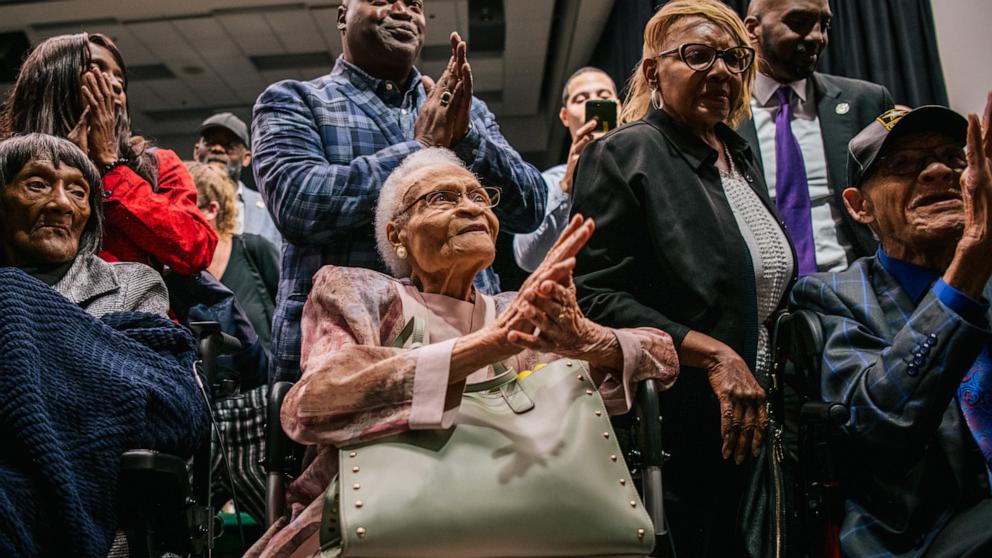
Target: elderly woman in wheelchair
x=90, y=365
x=436, y=231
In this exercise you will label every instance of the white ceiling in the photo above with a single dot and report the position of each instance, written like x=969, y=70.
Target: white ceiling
x=205, y=56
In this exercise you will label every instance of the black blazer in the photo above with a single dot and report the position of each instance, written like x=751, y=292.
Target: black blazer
x=667, y=251
x=838, y=124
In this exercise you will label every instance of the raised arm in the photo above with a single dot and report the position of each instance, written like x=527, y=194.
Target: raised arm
x=487, y=154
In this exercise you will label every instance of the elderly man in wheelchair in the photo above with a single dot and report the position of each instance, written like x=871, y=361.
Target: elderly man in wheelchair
x=906, y=338
x=90, y=365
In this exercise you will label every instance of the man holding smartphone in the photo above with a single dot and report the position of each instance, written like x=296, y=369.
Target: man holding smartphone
x=586, y=84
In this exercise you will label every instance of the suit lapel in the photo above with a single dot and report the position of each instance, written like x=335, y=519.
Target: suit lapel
x=836, y=127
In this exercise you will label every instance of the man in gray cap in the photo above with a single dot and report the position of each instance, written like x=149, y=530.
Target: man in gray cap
x=224, y=142
x=907, y=339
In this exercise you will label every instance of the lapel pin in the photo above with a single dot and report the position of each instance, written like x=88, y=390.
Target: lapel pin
x=843, y=108
x=260, y=204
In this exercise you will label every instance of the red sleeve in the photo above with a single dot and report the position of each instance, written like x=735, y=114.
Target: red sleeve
x=167, y=225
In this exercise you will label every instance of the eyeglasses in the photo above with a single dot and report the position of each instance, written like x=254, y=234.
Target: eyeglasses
x=913, y=162
x=702, y=57
x=485, y=197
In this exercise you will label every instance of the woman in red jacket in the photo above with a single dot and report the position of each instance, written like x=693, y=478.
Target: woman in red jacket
x=75, y=86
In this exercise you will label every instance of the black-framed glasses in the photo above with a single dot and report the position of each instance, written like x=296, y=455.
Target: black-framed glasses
x=485, y=196
x=702, y=57
x=912, y=162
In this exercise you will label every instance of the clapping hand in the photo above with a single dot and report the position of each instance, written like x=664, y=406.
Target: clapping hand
x=444, y=116
x=971, y=266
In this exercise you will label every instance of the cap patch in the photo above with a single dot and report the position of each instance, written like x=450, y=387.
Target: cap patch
x=890, y=118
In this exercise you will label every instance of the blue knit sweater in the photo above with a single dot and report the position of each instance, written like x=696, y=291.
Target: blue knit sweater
x=75, y=393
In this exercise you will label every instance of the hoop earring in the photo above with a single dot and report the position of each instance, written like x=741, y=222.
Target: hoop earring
x=401, y=252
x=657, y=101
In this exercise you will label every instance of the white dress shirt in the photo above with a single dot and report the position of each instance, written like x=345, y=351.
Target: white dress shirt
x=831, y=255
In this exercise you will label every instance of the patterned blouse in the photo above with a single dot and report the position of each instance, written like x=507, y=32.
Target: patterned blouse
x=354, y=387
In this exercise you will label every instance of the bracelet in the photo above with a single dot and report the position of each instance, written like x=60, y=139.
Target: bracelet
x=111, y=166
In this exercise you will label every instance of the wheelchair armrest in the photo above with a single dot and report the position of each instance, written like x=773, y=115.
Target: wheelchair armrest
x=806, y=345
x=154, y=504
x=279, y=461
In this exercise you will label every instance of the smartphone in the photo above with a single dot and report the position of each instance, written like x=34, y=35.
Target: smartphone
x=604, y=111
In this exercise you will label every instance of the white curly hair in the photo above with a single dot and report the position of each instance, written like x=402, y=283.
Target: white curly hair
x=391, y=200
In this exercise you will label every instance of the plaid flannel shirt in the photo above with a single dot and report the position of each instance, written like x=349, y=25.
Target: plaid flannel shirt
x=322, y=150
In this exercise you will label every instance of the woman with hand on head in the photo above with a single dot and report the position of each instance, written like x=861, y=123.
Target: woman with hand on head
x=711, y=263
x=436, y=230
x=75, y=87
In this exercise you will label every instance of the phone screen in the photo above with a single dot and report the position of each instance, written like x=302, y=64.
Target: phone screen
x=604, y=111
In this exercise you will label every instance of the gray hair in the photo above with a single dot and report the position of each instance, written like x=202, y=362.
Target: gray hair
x=18, y=151
x=391, y=199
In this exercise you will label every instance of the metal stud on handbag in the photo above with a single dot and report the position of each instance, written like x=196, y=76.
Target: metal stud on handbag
x=530, y=469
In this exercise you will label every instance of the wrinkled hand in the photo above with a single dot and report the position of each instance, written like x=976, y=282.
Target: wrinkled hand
x=562, y=328
x=556, y=267
x=440, y=124
x=743, y=415
x=583, y=136
x=971, y=266
x=79, y=134
x=976, y=181
x=98, y=94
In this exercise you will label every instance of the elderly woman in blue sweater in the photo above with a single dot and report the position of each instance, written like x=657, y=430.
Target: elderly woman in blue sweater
x=90, y=366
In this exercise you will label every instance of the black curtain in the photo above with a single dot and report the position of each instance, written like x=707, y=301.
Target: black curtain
x=891, y=42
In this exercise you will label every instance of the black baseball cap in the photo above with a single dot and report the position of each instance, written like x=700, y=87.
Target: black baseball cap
x=865, y=149
x=229, y=122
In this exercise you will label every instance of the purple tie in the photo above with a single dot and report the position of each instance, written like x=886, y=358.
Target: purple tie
x=791, y=187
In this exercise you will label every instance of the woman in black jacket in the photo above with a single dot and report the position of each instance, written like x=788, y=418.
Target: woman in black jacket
x=687, y=241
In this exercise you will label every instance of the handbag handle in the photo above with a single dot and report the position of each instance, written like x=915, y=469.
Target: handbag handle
x=504, y=380
x=413, y=328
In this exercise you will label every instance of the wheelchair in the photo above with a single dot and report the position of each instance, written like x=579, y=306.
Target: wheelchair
x=284, y=458
x=817, y=446
x=160, y=510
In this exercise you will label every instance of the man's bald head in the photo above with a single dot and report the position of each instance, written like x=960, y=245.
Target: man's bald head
x=789, y=36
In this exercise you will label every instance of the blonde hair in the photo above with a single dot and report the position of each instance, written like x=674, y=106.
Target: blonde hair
x=635, y=106
x=213, y=185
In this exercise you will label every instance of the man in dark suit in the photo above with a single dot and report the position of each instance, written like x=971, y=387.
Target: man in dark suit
x=907, y=338
x=801, y=123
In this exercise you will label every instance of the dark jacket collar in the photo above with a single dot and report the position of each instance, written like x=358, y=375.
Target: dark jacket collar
x=695, y=150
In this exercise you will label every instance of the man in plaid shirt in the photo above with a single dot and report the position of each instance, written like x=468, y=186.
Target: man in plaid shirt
x=324, y=147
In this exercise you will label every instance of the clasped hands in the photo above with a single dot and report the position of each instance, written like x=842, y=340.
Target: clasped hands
x=96, y=131
x=545, y=316
x=444, y=117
